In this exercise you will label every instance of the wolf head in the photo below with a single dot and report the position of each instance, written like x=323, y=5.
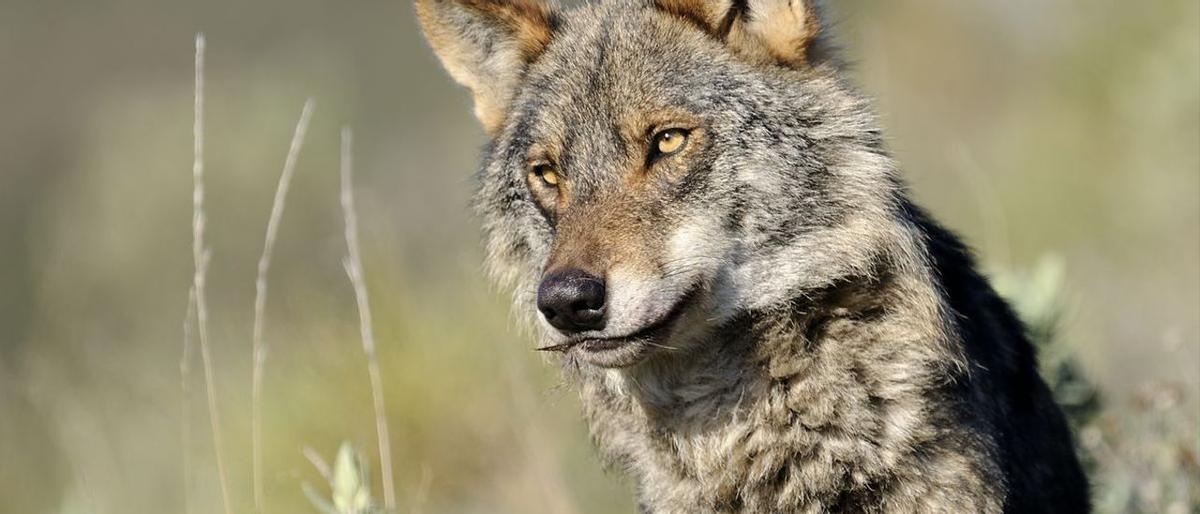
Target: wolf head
x=658, y=167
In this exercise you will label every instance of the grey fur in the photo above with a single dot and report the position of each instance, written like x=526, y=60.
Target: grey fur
x=838, y=352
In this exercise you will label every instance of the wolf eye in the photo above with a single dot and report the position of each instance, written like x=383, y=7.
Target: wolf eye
x=545, y=173
x=669, y=141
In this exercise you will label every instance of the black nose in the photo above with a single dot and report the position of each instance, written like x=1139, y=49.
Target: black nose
x=572, y=301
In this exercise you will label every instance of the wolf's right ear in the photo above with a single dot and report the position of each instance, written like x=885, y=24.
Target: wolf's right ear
x=781, y=31
x=486, y=46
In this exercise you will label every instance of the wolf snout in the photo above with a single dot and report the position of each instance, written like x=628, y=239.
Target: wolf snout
x=572, y=301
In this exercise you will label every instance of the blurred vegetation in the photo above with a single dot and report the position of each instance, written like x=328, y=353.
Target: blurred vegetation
x=1037, y=296
x=1142, y=451
x=1033, y=127
x=349, y=484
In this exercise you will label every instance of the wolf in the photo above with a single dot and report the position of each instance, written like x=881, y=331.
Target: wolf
x=697, y=210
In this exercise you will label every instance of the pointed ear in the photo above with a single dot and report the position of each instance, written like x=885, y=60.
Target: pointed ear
x=783, y=31
x=486, y=46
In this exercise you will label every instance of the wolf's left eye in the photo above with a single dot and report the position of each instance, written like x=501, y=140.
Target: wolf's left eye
x=545, y=173
x=668, y=142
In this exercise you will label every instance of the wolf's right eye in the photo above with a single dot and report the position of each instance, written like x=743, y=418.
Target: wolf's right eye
x=545, y=173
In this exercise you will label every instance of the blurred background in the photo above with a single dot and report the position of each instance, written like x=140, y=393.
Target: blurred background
x=1061, y=138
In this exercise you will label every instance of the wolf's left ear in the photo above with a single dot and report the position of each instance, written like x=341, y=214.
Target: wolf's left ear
x=783, y=31
x=486, y=46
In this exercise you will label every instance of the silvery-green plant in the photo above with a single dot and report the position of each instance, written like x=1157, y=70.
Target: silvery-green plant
x=1142, y=452
x=1038, y=294
x=349, y=483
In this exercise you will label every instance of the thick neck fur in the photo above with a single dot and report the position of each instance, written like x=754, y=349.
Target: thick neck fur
x=822, y=404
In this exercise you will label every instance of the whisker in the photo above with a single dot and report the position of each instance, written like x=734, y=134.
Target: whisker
x=561, y=348
x=682, y=271
x=710, y=258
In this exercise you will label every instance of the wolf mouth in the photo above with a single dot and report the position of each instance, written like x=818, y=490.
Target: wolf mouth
x=645, y=336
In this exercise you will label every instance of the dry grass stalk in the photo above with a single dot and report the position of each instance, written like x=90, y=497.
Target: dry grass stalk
x=185, y=379
x=422, y=495
x=260, y=300
x=318, y=462
x=200, y=257
x=353, y=265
